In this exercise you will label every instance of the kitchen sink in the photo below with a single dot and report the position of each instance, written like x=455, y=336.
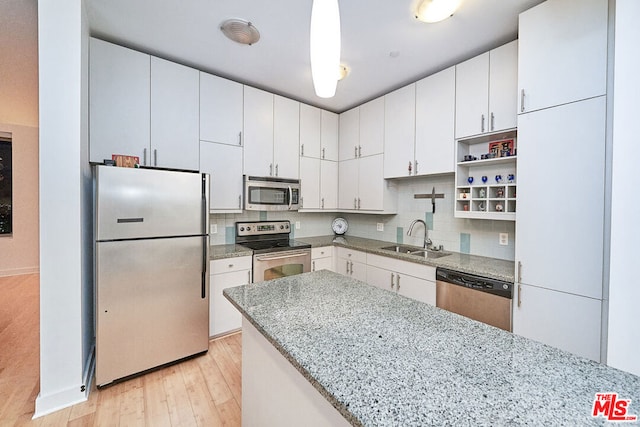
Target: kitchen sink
x=415, y=250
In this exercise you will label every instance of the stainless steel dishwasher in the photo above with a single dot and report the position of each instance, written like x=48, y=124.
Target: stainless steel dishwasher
x=479, y=298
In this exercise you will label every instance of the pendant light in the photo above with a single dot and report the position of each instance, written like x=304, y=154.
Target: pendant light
x=436, y=10
x=324, y=48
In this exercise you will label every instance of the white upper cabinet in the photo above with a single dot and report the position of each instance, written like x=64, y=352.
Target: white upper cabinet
x=258, y=132
x=563, y=53
x=435, y=118
x=476, y=111
x=503, y=85
x=349, y=134
x=309, y=183
x=223, y=163
x=399, y=132
x=472, y=92
x=371, y=128
x=119, y=103
x=310, y=125
x=286, y=137
x=328, y=185
x=348, y=171
x=175, y=106
x=221, y=103
x=329, y=135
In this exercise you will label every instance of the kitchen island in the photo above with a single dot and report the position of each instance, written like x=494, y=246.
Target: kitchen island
x=382, y=359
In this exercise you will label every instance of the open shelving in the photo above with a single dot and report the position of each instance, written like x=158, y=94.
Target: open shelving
x=495, y=196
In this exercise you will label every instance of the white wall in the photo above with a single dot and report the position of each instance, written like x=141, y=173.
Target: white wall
x=65, y=279
x=624, y=291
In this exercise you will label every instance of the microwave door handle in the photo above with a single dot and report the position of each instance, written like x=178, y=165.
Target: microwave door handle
x=290, y=197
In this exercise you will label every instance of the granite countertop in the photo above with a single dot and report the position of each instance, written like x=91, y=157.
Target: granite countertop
x=382, y=359
x=494, y=268
x=228, y=251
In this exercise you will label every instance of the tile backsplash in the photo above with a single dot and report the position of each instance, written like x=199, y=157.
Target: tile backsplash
x=478, y=237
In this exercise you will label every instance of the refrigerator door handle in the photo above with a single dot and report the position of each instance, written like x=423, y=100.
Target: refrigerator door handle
x=205, y=234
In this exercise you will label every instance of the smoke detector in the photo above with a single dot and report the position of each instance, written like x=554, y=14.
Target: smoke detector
x=240, y=31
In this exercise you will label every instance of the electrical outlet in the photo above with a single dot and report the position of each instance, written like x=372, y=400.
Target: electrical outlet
x=214, y=229
x=380, y=226
x=504, y=239
x=297, y=225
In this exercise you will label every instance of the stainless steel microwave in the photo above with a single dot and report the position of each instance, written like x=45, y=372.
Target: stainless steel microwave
x=271, y=193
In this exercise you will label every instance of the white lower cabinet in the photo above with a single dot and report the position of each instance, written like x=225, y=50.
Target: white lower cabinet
x=322, y=258
x=351, y=263
x=226, y=273
x=409, y=279
x=566, y=321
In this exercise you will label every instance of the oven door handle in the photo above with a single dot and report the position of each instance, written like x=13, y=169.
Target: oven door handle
x=282, y=256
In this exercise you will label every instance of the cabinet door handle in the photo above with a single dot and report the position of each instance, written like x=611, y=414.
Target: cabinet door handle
x=347, y=266
x=398, y=282
x=519, y=295
x=409, y=168
x=276, y=169
x=270, y=169
x=392, y=276
x=230, y=265
x=522, y=100
x=493, y=120
x=359, y=151
x=144, y=157
x=249, y=275
x=302, y=202
x=358, y=202
x=519, y=271
x=240, y=138
x=302, y=150
x=155, y=157
x=323, y=153
x=355, y=203
x=322, y=203
x=356, y=152
x=240, y=202
x=313, y=266
x=482, y=124
x=415, y=169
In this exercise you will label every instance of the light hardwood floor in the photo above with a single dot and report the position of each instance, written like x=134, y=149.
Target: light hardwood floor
x=203, y=391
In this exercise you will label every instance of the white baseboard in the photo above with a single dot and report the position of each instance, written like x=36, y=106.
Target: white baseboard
x=19, y=271
x=54, y=402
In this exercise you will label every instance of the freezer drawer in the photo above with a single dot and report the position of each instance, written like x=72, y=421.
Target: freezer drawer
x=138, y=203
x=150, y=304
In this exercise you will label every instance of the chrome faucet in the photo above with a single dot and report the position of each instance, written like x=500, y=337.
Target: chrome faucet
x=427, y=241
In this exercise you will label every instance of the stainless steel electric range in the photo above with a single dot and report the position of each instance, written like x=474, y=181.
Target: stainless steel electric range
x=275, y=254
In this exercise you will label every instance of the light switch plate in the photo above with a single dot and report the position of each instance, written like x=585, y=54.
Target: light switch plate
x=380, y=226
x=214, y=229
x=297, y=225
x=504, y=239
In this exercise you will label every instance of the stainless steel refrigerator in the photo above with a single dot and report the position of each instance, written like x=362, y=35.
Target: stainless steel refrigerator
x=151, y=269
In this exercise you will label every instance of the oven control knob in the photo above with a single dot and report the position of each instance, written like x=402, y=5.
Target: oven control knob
x=241, y=228
x=287, y=226
x=248, y=228
x=282, y=227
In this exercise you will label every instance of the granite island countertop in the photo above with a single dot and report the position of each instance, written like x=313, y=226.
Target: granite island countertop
x=494, y=268
x=385, y=360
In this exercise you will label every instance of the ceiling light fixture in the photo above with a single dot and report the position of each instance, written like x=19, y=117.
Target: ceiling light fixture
x=240, y=31
x=324, y=47
x=436, y=10
x=343, y=72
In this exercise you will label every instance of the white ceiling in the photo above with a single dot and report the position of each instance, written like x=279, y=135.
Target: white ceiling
x=188, y=32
